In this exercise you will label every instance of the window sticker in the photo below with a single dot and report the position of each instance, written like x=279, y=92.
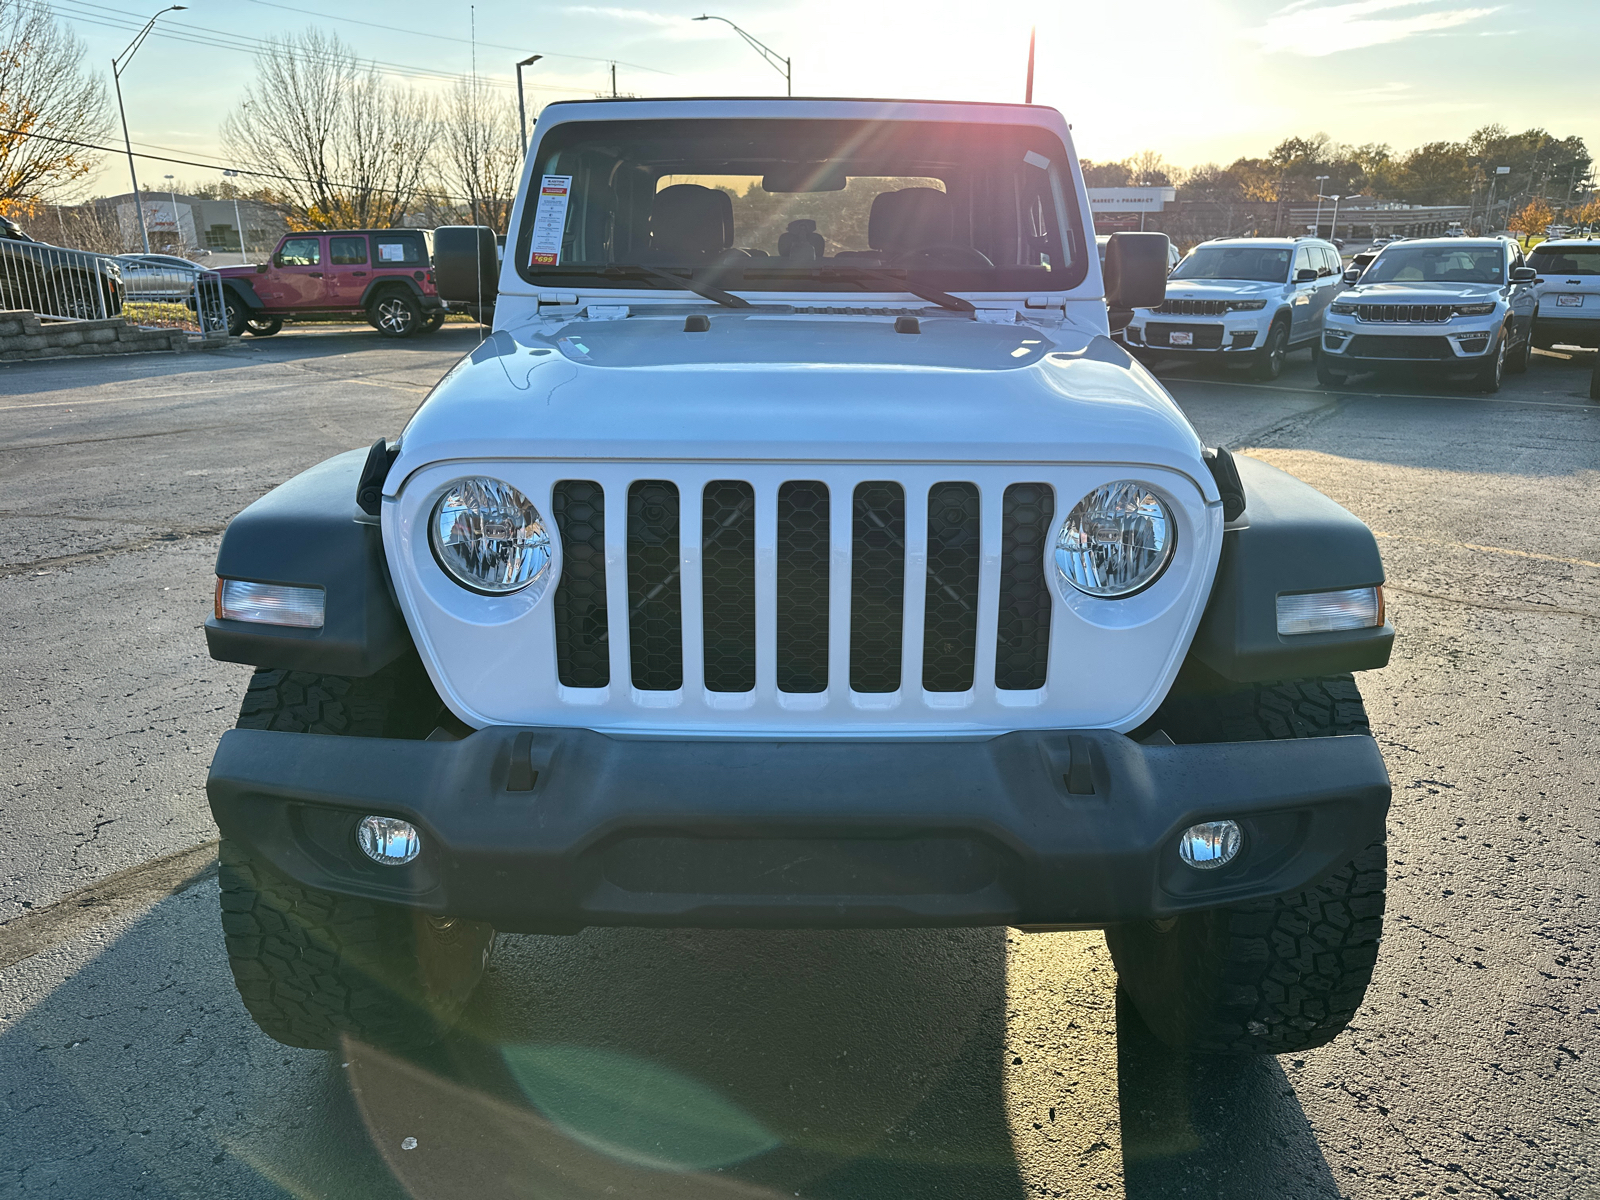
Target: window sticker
x=550, y=220
x=1034, y=159
x=391, y=252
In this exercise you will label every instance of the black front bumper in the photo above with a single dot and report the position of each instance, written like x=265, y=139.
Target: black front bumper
x=554, y=829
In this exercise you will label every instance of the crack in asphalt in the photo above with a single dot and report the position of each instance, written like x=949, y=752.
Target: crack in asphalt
x=45, y=928
x=1497, y=605
x=167, y=537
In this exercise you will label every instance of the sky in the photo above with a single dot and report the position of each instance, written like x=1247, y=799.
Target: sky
x=1195, y=80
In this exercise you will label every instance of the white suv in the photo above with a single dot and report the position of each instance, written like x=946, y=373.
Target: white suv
x=1449, y=304
x=1567, y=308
x=1242, y=299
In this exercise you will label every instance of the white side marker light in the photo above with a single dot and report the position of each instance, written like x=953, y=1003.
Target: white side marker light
x=388, y=840
x=270, y=603
x=1328, y=612
x=1206, y=846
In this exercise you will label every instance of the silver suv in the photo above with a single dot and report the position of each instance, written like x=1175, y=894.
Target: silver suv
x=1449, y=304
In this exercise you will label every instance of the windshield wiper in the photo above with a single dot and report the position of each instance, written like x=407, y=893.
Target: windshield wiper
x=687, y=283
x=894, y=282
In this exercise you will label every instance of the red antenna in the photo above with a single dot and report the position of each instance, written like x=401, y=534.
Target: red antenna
x=1028, y=97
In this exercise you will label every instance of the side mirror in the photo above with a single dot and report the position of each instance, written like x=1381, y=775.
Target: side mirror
x=466, y=267
x=261, y=269
x=1135, y=273
x=1523, y=275
x=1306, y=275
x=1352, y=275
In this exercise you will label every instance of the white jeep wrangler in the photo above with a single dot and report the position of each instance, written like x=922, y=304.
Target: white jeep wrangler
x=800, y=550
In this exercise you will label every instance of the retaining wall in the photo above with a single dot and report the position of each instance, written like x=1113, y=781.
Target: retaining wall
x=23, y=336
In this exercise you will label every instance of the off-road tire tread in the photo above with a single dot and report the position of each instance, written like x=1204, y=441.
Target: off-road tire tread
x=1276, y=975
x=397, y=701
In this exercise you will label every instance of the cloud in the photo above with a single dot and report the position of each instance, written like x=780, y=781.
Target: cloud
x=1314, y=29
x=676, y=26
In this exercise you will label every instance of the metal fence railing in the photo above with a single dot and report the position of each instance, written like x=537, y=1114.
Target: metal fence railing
x=59, y=284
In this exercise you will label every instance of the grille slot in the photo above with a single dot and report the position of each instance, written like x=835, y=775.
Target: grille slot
x=1022, y=643
x=877, y=586
x=950, y=620
x=802, y=586
x=583, y=652
x=655, y=601
x=728, y=558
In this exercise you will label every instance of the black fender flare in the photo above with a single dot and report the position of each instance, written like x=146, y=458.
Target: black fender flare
x=245, y=290
x=1290, y=538
x=309, y=532
x=385, y=282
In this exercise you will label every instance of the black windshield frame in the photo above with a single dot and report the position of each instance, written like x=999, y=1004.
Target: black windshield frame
x=1069, y=239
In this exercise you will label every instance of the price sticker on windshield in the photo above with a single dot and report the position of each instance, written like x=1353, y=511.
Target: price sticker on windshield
x=550, y=220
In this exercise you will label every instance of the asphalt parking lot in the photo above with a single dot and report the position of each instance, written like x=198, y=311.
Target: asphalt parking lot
x=920, y=1063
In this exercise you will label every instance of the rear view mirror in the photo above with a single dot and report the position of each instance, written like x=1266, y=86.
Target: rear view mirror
x=1135, y=273
x=465, y=265
x=1523, y=275
x=1352, y=275
x=804, y=177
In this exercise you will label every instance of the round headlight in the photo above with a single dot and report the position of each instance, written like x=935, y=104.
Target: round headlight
x=489, y=537
x=1116, y=540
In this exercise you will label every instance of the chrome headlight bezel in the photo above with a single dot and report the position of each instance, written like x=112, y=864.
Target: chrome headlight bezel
x=512, y=539
x=1082, y=548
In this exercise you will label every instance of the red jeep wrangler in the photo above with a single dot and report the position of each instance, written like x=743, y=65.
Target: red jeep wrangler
x=384, y=275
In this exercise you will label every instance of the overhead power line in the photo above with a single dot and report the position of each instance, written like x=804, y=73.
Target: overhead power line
x=255, y=172
x=112, y=18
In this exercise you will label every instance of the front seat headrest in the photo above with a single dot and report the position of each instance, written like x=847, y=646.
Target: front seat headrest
x=910, y=219
x=688, y=219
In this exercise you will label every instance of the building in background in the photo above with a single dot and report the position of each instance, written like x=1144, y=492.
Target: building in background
x=1118, y=209
x=197, y=223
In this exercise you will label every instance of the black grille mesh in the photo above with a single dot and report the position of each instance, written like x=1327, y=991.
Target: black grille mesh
x=877, y=586
x=803, y=586
x=950, y=621
x=1378, y=346
x=1022, y=647
x=728, y=566
x=655, y=605
x=583, y=654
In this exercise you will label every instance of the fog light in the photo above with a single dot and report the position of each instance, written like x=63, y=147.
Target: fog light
x=1208, y=845
x=388, y=840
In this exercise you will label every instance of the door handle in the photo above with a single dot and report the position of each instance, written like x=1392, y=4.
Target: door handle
x=315, y=274
x=358, y=272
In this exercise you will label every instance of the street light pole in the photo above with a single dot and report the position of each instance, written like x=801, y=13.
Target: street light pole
x=177, y=226
x=1317, y=228
x=522, y=109
x=772, y=57
x=1333, y=226
x=118, y=64
x=237, y=219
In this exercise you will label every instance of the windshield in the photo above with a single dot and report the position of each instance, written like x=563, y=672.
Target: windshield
x=803, y=205
x=1566, y=260
x=1262, y=264
x=1438, y=264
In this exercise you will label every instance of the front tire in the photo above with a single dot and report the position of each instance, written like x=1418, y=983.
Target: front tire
x=1517, y=360
x=1326, y=375
x=1268, y=976
x=1270, y=358
x=263, y=326
x=237, y=314
x=1492, y=373
x=395, y=315
x=311, y=966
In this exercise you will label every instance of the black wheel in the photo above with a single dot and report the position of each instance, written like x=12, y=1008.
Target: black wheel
x=1493, y=372
x=1594, y=380
x=1269, y=360
x=1326, y=375
x=75, y=297
x=312, y=966
x=1266, y=976
x=237, y=314
x=432, y=321
x=263, y=326
x=1517, y=360
x=395, y=314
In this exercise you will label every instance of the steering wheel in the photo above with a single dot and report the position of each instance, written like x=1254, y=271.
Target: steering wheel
x=946, y=254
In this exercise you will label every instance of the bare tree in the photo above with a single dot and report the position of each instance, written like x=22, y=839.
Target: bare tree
x=481, y=154
x=344, y=148
x=45, y=94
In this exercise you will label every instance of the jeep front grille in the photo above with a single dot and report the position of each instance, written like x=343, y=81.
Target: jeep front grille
x=1403, y=313
x=661, y=528
x=1193, y=308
